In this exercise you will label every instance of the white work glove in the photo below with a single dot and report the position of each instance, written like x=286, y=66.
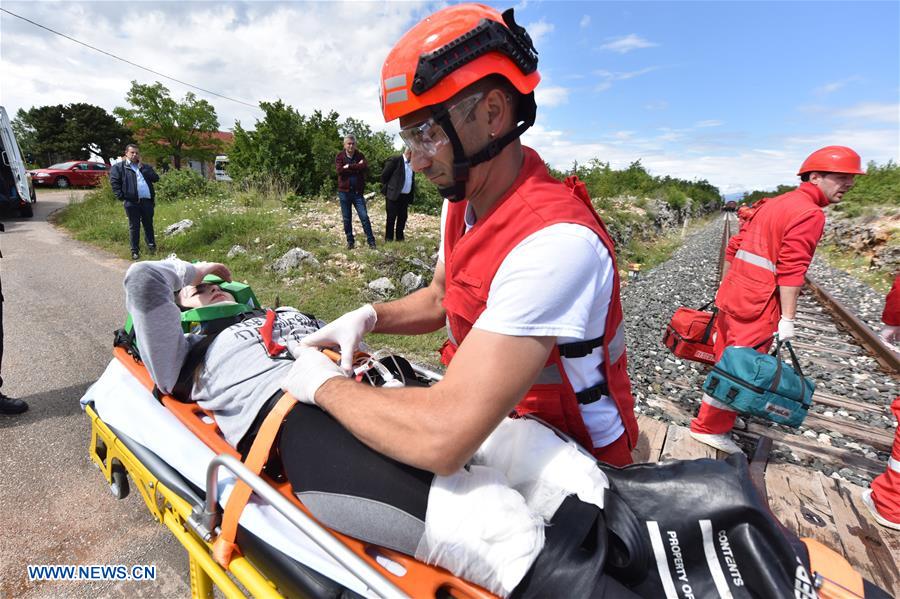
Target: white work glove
x=785, y=329
x=346, y=332
x=310, y=370
x=890, y=333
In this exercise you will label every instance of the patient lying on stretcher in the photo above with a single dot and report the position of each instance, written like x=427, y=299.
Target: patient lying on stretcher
x=484, y=523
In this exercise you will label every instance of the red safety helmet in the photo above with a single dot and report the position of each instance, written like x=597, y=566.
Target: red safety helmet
x=450, y=50
x=833, y=159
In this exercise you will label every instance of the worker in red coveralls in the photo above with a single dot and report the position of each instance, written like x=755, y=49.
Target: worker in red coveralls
x=765, y=267
x=883, y=499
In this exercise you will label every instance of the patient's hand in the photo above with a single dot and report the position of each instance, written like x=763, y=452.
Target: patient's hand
x=310, y=370
x=346, y=332
x=210, y=268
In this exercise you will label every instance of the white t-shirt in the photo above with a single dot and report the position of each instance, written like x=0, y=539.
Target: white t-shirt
x=566, y=274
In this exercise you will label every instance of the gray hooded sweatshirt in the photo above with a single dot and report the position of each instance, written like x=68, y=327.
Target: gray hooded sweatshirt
x=237, y=376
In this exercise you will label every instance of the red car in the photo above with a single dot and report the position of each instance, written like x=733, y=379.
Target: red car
x=79, y=173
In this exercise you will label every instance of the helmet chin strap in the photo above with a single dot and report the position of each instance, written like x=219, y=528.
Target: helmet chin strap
x=462, y=163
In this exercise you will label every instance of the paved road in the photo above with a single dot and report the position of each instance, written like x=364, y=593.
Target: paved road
x=63, y=300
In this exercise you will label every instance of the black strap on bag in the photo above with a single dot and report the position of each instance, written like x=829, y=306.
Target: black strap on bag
x=629, y=553
x=571, y=562
x=712, y=320
x=776, y=380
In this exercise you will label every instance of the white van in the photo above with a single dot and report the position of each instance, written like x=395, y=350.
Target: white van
x=16, y=190
x=220, y=167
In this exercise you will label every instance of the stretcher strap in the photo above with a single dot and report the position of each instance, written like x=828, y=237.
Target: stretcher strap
x=224, y=547
x=265, y=331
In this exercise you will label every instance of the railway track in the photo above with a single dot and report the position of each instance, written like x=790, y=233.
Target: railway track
x=849, y=429
x=813, y=476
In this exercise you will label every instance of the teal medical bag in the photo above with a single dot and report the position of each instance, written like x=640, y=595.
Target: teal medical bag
x=761, y=384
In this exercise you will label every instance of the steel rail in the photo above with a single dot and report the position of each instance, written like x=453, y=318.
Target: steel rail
x=726, y=235
x=885, y=356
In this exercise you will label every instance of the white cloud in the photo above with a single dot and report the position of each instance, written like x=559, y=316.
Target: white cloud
x=607, y=77
x=731, y=168
x=626, y=44
x=871, y=112
x=585, y=22
x=252, y=52
x=709, y=123
x=539, y=30
x=833, y=86
x=656, y=105
x=546, y=95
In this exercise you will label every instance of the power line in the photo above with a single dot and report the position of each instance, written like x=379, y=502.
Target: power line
x=134, y=64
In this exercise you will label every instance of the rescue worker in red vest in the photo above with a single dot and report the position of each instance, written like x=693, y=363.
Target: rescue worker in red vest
x=883, y=499
x=765, y=267
x=526, y=279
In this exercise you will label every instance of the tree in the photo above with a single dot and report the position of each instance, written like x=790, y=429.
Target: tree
x=299, y=150
x=166, y=128
x=50, y=134
x=40, y=132
x=97, y=130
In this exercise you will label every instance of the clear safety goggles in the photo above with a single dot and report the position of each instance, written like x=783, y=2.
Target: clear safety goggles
x=429, y=137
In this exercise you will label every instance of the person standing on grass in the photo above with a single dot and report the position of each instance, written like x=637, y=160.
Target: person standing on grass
x=765, y=267
x=351, y=169
x=399, y=187
x=132, y=182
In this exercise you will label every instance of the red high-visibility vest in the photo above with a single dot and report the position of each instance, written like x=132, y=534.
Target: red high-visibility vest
x=535, y=201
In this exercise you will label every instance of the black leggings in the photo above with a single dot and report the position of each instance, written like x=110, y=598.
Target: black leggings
x=349, y=487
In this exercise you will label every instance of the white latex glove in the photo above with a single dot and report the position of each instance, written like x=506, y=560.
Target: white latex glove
x=890, y=333
x=346, y=332
x=785, y=329
x=310, y=370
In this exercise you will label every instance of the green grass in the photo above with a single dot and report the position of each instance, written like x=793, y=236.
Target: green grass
x=268, y=221
x=858, y=266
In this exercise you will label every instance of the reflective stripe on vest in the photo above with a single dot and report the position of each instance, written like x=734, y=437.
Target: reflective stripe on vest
x=755, y=260
x=894, y=464
x=617, y=344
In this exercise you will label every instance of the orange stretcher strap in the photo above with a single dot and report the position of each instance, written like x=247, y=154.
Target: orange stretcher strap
x=225, y=547
x=839, y=579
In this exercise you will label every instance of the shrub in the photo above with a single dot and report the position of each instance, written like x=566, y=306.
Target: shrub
x=675, y=198
x=181, y=184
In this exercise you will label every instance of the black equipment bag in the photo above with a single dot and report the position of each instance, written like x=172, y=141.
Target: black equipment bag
x=708, y=533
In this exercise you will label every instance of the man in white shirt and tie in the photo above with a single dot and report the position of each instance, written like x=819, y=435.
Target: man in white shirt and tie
x=398, y=187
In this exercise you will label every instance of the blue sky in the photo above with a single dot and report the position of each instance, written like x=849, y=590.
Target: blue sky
x=736, y=92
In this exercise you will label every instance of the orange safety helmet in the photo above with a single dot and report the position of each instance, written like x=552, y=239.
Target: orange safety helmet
x=450, y=50
x=833, y=159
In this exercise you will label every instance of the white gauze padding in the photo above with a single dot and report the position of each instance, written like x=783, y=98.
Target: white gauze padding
x=480, y=529
x=541, y=466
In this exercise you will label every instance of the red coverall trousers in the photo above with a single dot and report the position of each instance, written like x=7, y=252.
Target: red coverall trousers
x=715, y=417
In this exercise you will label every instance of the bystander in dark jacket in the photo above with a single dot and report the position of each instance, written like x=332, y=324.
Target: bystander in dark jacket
x=351, y=169
x=398, y=184
x=132, y=182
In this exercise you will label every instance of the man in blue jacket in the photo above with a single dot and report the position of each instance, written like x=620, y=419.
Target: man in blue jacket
x=132, y=182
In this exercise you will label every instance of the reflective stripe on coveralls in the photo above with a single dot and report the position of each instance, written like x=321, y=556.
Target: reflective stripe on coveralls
x=755, y=260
